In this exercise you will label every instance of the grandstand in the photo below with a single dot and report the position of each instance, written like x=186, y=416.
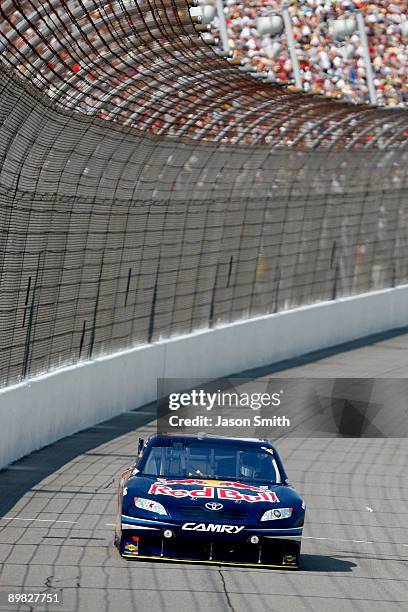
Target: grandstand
x=327, y=66
x=149, y=189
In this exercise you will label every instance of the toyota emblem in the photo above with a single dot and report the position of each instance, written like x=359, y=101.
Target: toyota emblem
x=213, y=506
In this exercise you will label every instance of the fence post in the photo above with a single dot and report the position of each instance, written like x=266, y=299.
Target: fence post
x=128, y=285
x=95, y=313
x=394, y=274
x=276, y=295
x=81, y=343
x=212, y=305
x=28, y=336
x=27, y=345
x=153, y=307
x=334, y=262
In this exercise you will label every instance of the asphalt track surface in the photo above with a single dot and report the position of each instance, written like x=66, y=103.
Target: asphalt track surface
x=57, y=507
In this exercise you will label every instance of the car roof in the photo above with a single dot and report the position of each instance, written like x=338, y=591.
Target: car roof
x=204, y=436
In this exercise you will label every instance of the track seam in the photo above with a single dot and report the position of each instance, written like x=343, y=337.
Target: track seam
x=231, y=607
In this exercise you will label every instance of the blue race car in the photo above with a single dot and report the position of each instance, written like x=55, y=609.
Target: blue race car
x=213, y=500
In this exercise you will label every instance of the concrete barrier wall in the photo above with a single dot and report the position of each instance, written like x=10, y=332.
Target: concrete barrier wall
x=42, y=410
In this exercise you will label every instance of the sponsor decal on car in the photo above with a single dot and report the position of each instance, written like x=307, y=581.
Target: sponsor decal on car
x=213, y=506
x=213, y=492
x=212, y=483
x=212, y=527
x=289, y=560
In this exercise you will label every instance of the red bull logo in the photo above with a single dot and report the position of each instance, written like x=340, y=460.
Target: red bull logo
x=214, y=492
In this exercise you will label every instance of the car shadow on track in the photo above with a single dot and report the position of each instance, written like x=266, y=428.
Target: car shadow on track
x=325, y=563
x=23, y=475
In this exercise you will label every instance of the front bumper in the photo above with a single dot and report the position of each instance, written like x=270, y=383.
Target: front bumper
x=144, y=539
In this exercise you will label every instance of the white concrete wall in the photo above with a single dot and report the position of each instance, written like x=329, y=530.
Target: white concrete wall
x=42, y=410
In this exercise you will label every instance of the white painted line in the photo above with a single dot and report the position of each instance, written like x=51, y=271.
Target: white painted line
x=354, y=541
x=340, y=540
x=362, y=541
x=18, y=518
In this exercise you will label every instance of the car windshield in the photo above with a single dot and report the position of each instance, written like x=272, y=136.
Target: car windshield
x=197, y=459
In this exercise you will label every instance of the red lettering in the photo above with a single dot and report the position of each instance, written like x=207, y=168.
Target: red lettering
x=206, y=492
x=209, y=492
x=264, y=496
x=178, y=492
x=229, y=494
x=252, y=498
x=158, y=489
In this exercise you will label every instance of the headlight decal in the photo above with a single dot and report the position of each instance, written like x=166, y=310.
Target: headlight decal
x=276, y=514
x=150, y=505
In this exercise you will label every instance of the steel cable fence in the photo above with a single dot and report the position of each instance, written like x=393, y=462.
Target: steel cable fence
x=148, y=189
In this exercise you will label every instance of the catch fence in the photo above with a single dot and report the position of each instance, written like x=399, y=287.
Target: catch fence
x=148, y=189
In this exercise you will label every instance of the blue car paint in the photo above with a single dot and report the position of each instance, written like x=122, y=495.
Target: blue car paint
x=188, y=517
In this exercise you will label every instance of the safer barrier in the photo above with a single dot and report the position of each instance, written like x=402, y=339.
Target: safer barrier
x=39, y=411
x=148, y=189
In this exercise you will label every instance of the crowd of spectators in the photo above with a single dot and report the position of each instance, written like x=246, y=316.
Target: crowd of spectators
x=335, y=69
x=122, y=61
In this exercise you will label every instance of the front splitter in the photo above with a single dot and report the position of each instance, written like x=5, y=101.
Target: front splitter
x=207, y=562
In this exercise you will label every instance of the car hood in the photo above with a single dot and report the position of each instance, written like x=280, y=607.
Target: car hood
x=209, y=499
